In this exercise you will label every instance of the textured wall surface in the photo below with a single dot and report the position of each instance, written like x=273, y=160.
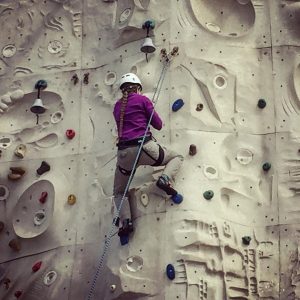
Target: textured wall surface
x=231, y=54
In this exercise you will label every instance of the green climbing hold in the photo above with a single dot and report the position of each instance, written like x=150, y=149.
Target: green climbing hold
x=261, y=103
x=246, y=240
x=266, y=166
x=208, y=195
x=41, y=84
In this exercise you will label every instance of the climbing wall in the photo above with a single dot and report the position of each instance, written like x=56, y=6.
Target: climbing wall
x=236, y=235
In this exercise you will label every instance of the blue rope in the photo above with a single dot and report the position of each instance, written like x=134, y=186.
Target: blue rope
x=112, y=233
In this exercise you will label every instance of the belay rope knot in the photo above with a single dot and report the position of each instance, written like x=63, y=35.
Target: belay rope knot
x=166, y=59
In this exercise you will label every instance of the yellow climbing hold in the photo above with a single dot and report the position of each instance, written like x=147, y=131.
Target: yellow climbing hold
x=71, y=199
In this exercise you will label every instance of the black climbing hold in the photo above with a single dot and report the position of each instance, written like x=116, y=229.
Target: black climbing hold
x=192, y=150
x=149, y=24
x=177, y=104
x=261, y=103
x=41, y=84
x=170, y=271
x=246, y=240
x=199, y=107
x=208, y=195
x=45, y=167
x=266, y=166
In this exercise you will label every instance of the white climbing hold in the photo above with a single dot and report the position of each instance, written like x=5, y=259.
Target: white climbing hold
x=113, y=288
x=6, y=99
x=9, y=50
x=134, y=263
x=3, y=106
x=210, y=172
x=50, y=277
x=144, y=199
x=39, y=217
x=244, y=156
x=4, y=192
x=17, y=95
x=110, y=78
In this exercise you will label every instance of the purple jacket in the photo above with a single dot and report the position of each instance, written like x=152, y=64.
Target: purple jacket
x=136, y=118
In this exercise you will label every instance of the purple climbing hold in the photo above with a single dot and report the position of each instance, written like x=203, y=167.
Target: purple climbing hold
x=177, y=104
x=45, y=167
x=170, y=271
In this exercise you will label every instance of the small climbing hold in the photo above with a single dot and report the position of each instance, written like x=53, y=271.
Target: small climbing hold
x=15, y=244
x=6, y=281
x=71, y=199
x=208, y=195
x=43, y=197
x=199, y=107
x=261, y=103
x=16, y=173
x=75, y=79
x=18, y=294
x=45, y=167
x=36, y=266
x=86, y=78
x=170, y=271
x=266, y=166
x=1, y=226
x=149, y=24
x=177, y=104
x=113, y=288
x=246, y=240
x=177, y=199
x=70, y=133
x=41, y=84
x=20, y=151
x=192, y=150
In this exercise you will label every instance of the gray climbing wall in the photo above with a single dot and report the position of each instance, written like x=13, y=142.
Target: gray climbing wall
x=232, y=53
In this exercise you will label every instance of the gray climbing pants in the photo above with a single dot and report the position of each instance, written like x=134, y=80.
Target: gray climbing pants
x=152, y=154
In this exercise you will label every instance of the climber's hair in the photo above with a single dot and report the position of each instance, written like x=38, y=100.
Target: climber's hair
x=126, y=88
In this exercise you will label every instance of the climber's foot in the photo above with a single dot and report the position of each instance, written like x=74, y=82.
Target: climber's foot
x=164, y=183
x=177, y=199
x=124, y=231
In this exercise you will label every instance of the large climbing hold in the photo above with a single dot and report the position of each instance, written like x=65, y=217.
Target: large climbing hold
x=16, y=173
x=170, y=271
x=177, y=105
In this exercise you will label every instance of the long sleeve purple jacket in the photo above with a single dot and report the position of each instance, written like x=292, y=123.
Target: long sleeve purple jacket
x=136, y=118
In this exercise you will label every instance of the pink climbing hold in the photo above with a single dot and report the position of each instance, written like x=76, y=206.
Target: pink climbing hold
x=43, y=197
x=70, y=133
x=18, y=294
x=36, y=266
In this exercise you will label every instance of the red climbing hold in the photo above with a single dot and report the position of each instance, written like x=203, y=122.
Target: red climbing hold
x=43, y=197
x=36, y=266
x=70, y=133
x=18, y=294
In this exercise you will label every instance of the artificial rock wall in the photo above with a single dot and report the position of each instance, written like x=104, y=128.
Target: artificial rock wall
x=231, y=54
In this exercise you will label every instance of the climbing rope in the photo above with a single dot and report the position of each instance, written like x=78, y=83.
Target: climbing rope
x=166, y=62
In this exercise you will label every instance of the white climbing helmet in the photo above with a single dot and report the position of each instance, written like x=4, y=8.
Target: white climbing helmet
x=130, y=78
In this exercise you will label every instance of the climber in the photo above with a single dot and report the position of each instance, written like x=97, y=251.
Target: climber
x=132, y=113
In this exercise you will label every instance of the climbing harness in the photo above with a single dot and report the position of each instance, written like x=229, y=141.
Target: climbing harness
x=167, y=59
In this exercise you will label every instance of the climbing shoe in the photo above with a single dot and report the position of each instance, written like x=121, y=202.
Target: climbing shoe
x=126, y=228
x=164, y=183
x=124, y=231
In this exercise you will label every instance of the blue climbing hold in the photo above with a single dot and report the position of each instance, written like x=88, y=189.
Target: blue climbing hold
x=177, y=104
x=170, y=270
x=124, y=239
x=177, y=199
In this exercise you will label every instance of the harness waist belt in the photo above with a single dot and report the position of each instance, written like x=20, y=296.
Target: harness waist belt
x=131, y=143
